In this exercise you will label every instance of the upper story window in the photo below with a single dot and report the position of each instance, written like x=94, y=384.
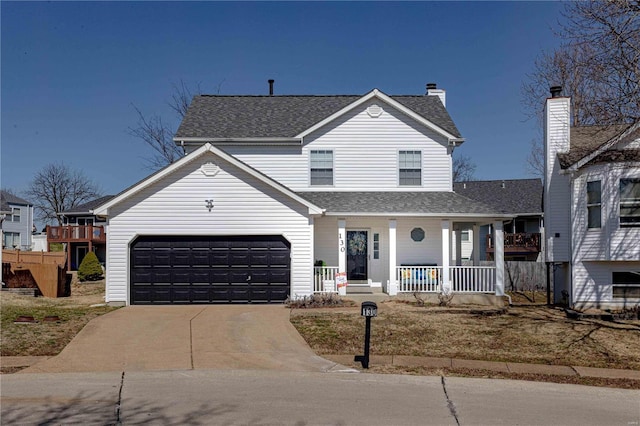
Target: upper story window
x=15, y=215
x=594, y=204
x=464, y=236
x=630, y=202
x=321, y=164
x=410, y=168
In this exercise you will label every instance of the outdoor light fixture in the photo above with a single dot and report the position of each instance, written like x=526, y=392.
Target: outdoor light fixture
x=209, y=204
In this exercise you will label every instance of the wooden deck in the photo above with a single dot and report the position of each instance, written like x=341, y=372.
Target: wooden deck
x=518, y=243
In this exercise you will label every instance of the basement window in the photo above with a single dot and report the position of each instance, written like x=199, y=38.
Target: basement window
x=626, y=285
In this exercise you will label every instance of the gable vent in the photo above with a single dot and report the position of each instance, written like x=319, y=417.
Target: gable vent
x=374, y=111
x=209, y=169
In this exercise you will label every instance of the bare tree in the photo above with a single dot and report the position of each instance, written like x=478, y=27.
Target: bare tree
x=535, y=158
x=158, y=133
x=57, y=188
x=597, y=65
x=463, y=168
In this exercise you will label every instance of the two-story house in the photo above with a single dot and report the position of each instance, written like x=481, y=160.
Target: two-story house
x=592, y=209
x=286, y=196
x=17, y=225
x=81, y=232
x=523, y=234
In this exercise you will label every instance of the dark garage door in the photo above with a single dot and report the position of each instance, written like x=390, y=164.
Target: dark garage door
x=195, y=269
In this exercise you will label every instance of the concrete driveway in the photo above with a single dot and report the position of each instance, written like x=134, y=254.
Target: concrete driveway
x=142, y=338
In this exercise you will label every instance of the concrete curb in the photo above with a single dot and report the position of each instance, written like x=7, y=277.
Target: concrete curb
x=502, y=367
x=345, y=363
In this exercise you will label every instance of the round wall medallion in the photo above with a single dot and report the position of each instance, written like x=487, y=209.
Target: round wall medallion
x=417, y=234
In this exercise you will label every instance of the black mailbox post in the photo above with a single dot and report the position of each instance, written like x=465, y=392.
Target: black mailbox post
x=367, y=310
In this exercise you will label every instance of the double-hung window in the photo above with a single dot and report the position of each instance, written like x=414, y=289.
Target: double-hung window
x=321, y=164
x=11, y=240
x=15, y=215
x=410, y=168
x=630, y=202
x=594, y=204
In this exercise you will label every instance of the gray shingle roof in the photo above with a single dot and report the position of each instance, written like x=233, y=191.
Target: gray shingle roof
x=519, y=196
x=213, y=116
x=436, y=203
x=7, y=198
x=587, y=139
x=87, y=207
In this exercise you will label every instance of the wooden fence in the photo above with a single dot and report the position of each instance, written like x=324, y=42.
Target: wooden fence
x=45, y=271
x=39, y=257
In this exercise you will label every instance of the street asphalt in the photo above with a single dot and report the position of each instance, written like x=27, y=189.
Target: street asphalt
x=267, y=397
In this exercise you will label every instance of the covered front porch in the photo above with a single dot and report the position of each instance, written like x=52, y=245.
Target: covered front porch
x=403, y=255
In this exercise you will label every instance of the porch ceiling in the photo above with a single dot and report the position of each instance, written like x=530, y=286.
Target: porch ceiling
x=436, y=204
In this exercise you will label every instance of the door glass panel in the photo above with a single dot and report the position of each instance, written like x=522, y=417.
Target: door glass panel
x=357, y=252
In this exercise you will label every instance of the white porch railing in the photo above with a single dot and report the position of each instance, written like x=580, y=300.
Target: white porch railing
x=324, y=279
x=428, y=279
x=418, y=278
x=473, y=279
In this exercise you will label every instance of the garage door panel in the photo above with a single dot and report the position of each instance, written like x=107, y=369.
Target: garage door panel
x=184, y=269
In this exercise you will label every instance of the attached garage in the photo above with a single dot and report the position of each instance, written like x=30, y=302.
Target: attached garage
x=209, y=269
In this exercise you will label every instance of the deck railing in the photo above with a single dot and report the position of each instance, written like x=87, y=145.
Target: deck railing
x=521, y=242
x=324, y=279
x=73, y=233
x=428, y=279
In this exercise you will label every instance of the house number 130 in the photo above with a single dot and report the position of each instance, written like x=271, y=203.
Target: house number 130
x=341, y=243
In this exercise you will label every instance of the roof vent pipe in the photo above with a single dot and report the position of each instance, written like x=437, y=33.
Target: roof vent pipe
x=556, y=91
x=502, y=184
x=271, y=81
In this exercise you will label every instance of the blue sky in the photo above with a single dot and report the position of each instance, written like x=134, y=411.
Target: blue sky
x=70, y=72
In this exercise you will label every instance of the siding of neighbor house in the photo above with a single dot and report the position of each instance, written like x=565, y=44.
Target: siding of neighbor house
x=24, y=227
x=175, y=205
x=592, y=281
x=610, y=242
x=365, y=152
x=557, y=186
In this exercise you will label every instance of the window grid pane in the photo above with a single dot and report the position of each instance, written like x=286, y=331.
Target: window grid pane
x=630, y=202
x=321, y=165
x=594, y=208
x=410, y=169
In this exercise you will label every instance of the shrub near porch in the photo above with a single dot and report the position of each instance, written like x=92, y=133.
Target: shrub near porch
x=529, y=334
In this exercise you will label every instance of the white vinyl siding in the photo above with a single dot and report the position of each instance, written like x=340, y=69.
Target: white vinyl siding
x=321, y=167
x=365, y=151
x=594, y=282
x=613, y=240
x=175, y=205
x=409, y=168
x=557, y=194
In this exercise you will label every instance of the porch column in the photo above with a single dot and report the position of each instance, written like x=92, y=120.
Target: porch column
x=393, y=285
x=498, y=256
x=446, y=250
x=313, y=255
x=342, y=245
x=476, y=244
x=457, y=243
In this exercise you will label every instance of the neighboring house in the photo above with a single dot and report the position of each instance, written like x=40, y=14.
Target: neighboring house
x=523, y=235
x=17, y=225
x=592, y=209
x=279, y=196
x=81, y=233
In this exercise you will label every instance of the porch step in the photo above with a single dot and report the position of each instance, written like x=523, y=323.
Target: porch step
x=363, y=289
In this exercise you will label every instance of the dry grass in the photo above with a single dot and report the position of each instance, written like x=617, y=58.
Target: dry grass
x=530, y=334
x=48, y=338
